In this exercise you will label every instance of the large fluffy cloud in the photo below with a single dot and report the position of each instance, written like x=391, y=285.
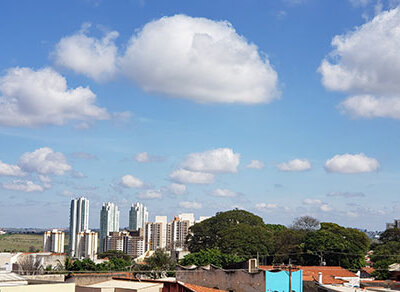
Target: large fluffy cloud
x=351, y=163
x=199, y=59
x=185, y=176
x=44, y=161
x=32, y=98
x=366, y=64
x=95, y=58
x=10, y=170
x=295, y=165
x=220, y=160
x=129, y=181
x=23, y=186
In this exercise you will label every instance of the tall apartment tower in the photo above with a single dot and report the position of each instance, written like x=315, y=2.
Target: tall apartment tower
x=86, y=244
x=53, y=241
x=109, y=221
x=138, y=217
x=155, y=233
x=78, y=221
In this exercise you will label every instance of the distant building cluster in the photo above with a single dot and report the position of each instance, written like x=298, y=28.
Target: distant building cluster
x=141, y=237
x=395, y=224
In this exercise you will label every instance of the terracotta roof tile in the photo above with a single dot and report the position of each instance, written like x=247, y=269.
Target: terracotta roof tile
x=197, y=288
x=329, y=273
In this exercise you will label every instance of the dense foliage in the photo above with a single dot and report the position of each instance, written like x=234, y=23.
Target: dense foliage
x=210, y=256
x=159, y=265
x=114, y=264
x=308, y=242
x=386, y=253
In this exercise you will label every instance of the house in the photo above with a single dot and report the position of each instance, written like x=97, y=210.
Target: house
x=326, y=275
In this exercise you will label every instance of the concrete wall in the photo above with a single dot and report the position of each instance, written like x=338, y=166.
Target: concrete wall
x=41, y=288
x=237, y=280
x=47, y=277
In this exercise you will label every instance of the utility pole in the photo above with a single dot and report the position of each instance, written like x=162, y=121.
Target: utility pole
x=290, y=275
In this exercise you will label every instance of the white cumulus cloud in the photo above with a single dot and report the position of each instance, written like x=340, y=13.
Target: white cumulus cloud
x=224, y=193
x=177, y=189
x=32, y=98
x=257, y=164
x=266, y=206
x=142, y=157
x=365, y=63
x=129, y=181
x=325, y=208
x=90, y=56
x=351, y=163
x=190, y=205
x=295, y=165
x=199, y=59
x=309, y=201
x=10, y=170
x=23, y=186
x=185, y=176
x=44, y=161
x=222, y=160
x=149, y=194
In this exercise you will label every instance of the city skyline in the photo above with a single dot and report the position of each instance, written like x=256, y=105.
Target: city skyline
x=266, y=106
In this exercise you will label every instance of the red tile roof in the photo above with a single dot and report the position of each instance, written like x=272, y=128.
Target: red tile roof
x=197, y=288
x=368, y=270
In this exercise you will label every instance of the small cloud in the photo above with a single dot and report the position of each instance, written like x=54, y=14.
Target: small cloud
x=256, y=164
x=149, y=194
x=295, y=165
x=142, y=157
x=177, y=189
x=129, y=181
x=77, y=174
x=184, y=176
x=84, y=155
x=190, y=205
x=266, y=206
x=224, y=193
x=312, y=202
x=325, y=208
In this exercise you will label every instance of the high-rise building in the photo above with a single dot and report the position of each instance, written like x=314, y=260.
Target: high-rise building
x=53, y=241
x=109, y=221
x=78, y=221
x=86, y=244
x=178, y=230
x=156, y=233
x=129, y=242
x=138, y=216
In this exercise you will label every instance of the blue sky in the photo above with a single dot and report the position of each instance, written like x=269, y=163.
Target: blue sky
x=169, y=102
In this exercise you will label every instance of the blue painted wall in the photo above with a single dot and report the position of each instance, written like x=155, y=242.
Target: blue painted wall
x=279, y=281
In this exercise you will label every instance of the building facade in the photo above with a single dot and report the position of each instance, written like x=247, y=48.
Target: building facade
x=156, y=233
x=78, y=221
x=138, y=216
x=129, y=242
x=109, y=221
x=53, y=241
x=86, y=244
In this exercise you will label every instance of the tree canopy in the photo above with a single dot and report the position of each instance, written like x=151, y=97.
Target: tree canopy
x=210, y=256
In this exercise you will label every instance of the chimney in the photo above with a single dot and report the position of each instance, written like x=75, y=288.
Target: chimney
x=320, y=278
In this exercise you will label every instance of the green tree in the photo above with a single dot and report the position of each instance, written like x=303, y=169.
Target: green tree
x=210, y=256
x=159, y=265
x=235, y=232
x=338, y=245
x=392, y=234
